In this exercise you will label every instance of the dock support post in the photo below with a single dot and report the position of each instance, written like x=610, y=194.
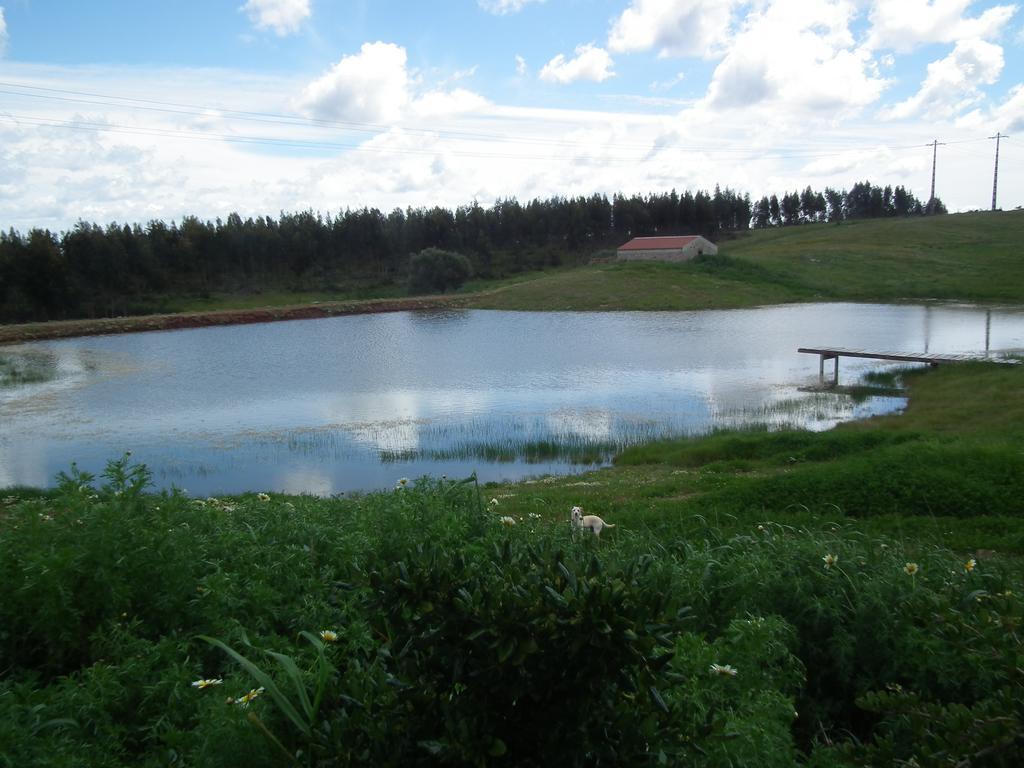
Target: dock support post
x=821, y=369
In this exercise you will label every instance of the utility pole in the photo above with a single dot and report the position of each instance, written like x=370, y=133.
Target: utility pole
x=935, y=152
x=995, y=173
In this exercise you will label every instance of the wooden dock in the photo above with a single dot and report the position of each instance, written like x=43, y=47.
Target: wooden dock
x=834, y=353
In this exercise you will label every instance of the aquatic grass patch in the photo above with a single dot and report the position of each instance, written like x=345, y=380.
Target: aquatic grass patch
x=20, y=367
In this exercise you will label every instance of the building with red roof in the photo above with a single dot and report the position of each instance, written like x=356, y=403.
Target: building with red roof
x=666, y=248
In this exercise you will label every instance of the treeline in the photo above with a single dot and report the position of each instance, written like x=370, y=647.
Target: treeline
x=121, y=269
x=863, y=201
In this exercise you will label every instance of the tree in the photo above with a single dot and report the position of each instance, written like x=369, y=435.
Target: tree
x=433, y=270
x=791, y=208
x=834, y=198
x=762, y=213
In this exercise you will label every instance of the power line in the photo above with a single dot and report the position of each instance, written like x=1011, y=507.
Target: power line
x=167, y=107
x=108, y=127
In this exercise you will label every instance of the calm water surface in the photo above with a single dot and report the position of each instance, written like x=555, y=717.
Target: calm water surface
x=325, y=406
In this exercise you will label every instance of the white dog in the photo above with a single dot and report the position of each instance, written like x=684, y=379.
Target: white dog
x=588, y=522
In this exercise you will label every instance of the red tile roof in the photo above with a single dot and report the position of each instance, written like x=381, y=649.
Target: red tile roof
x=658, y=243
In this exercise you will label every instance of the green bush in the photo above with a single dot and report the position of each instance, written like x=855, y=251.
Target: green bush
x=413, y=628
x=433, y=270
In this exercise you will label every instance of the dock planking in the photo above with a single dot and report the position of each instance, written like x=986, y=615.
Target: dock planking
x=930, y=358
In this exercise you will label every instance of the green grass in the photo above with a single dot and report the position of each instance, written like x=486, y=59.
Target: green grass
x=271, y=298
x=967, y=257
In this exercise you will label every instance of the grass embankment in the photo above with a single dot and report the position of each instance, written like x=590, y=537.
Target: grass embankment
x=964, y=257
x=764, y=599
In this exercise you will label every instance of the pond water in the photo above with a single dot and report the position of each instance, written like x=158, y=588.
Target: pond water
x=334, y=405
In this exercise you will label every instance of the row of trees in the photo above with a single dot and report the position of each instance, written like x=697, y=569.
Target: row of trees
x=92, y=271
x=863, y=201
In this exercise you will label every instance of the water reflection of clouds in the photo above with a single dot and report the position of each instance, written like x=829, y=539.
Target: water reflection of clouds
x=589, y=424
x=23, y=465
x=317, y=401
x=304, y=480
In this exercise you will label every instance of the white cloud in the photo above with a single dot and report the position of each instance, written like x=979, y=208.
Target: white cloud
x=504, y=7
x=953, y=83
x=590, y=63
x=668, y=84
x=1009, y=116
x=520, y=65
x=446, y=103
x=369, y=86
x=906, y=24
x=376, y=86
x=282, y=16
x=674, y=27
x=797, y=57
x=3, y=33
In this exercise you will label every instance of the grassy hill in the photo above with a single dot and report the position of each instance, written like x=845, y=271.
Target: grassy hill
x=969, y=257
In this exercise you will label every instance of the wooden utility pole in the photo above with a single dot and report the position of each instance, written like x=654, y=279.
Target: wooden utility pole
x=995, y=173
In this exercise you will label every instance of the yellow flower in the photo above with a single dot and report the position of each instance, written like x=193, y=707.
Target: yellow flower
x=911, y=568
x=830, y=560
x=206, y=683
x=328, y=635
x=969, y=565
x=244, y=700
x=725, y=670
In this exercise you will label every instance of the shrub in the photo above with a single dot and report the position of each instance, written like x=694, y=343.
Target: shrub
x=433, y=270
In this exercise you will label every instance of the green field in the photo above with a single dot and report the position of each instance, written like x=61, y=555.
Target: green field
x=963, y=257
x=843, y=598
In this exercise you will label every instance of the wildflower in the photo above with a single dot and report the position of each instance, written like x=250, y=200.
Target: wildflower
x=493, y=502
x=508, y=521
x=199, y=502
x=911, y=568
x=328, y=635
x=244, y=700
x=725, y=670
x=830, y=560
x=206, y=683
x=969, y=565
x=263, y=497
x=402, y=482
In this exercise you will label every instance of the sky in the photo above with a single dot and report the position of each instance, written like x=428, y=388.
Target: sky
x=128, y=111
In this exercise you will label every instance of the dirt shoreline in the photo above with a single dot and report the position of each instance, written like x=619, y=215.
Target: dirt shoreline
x=62, y=329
